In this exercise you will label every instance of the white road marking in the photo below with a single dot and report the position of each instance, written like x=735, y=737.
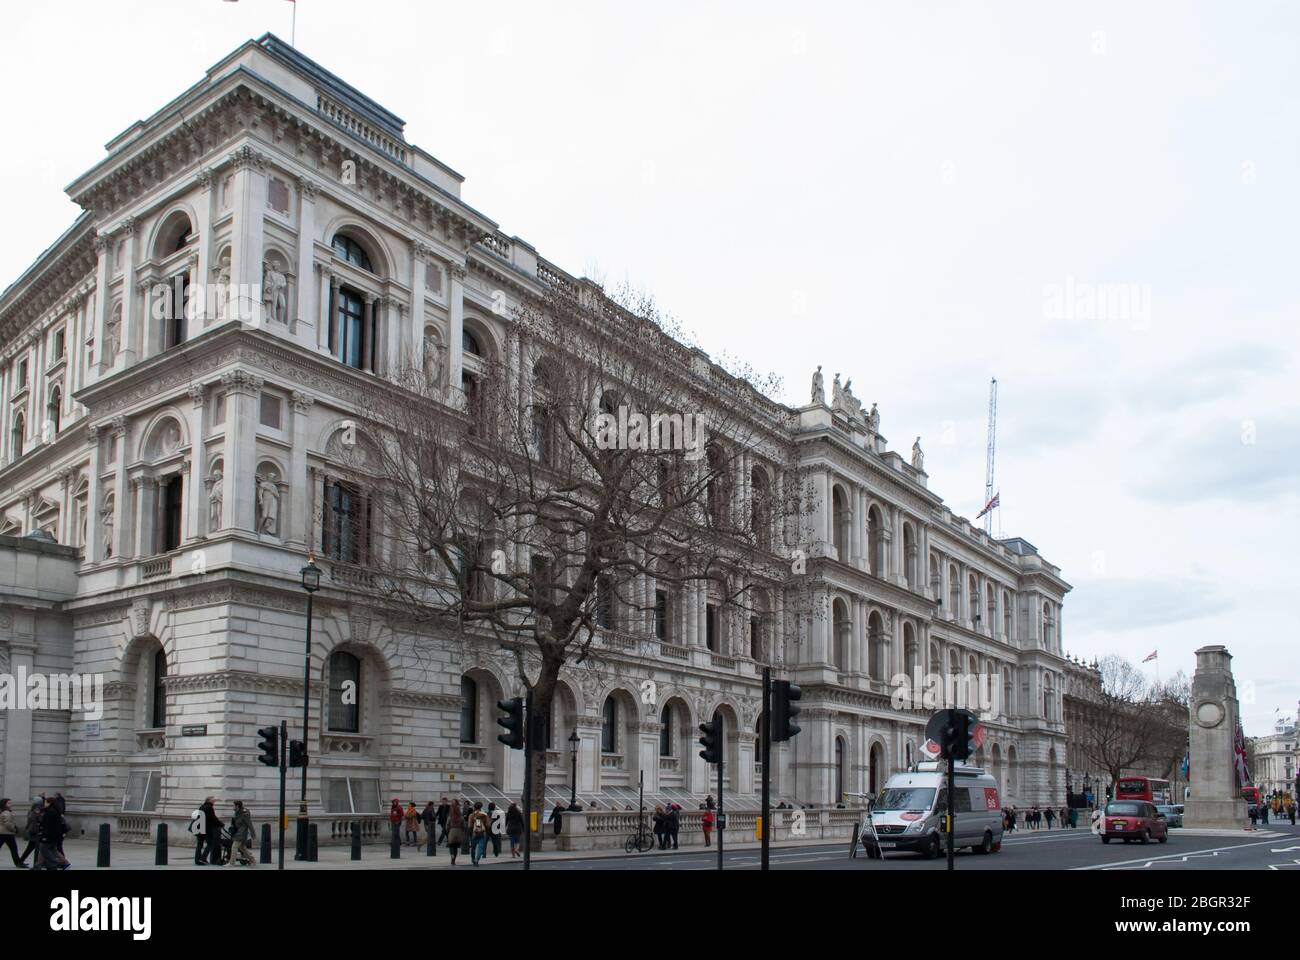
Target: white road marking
x=1112, y=866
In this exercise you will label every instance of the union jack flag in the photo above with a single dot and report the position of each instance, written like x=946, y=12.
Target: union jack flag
x=1151, y=656
x=996, y=501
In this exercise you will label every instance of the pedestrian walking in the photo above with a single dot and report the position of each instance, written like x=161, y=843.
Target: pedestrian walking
x=479, y=827
x=211, y=831
x=33, y=832
x=1050, y=816
x=241, y=837
x=1290, y=811
x=706, y=824
x=1254, y=816
x=429, y=818
x=658, y=828
x=411, y=825
x=1074, y=817
x=9, y=832
x=455, y=831
x=557, y=817
x=514, y=828
x=674, y=823
x=395, y=816
x=1263, y=812
x=494, y=829
x=444, y=812
x=197, y=830
x=51, y=833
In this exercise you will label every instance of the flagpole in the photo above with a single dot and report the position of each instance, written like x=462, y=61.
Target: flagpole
x=293, y=26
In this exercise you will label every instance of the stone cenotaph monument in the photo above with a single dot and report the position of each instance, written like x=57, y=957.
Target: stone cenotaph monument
x=1215, y=800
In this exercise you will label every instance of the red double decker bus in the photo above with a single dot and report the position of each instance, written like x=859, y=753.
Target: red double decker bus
x=1251, y=795
x=1149, y=789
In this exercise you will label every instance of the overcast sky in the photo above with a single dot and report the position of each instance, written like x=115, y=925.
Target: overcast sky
x=916, y=195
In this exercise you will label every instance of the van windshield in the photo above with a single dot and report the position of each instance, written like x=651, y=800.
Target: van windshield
x=906, y=798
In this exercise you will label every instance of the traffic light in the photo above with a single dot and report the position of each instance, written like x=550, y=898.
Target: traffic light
x=784, y=710
x=711, y=740
x=270, y=746
x=513, y=721
x=957, y=736
x=297, y=753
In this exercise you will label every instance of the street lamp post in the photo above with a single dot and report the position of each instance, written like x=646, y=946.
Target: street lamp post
x=574, y=740
x=310, y=583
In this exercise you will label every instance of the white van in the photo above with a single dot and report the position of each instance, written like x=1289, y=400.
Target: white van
x=908, y=813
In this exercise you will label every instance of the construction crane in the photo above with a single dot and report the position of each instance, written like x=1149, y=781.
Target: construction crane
x=990, y=498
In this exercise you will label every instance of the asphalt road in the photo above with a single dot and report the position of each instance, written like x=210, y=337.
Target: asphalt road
x=1023, y=850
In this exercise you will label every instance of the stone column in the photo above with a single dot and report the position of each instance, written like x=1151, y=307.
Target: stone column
x=413, y=337
x=855, y=526
x=240, y=483
x=305, y=326
x=132, y=332
x=145, y=494
x=329, y=289
x=456, y=312
x=249, y=204
x=194, y=487
x=198, y=318
x=18, y=739
x=103, y=253
x=294, y=528
x=124, y=516
x=93, y=548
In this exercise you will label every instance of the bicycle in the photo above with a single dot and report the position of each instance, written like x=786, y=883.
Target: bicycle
x=640, y=841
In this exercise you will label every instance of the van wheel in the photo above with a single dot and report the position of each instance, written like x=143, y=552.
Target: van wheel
x=986, y=845
x=1165, y=838
x=932, y=847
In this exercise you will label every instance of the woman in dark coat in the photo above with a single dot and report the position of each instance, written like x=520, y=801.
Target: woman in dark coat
x=660, y=828
x=514, y=829
x=557, y=817
x=455, y=831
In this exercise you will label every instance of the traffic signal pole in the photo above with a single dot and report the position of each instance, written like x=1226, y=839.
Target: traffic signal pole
x=766, y=748
x=722, y=817
x=952, y=792
x=284, y=750
x=528, y=780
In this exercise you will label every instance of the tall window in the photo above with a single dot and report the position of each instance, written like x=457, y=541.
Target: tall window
x=661, y=614
x=756, y=638
x=345, y=693
x=345, y=521
x=176, y=296
x=609, y=728
x=170, y=513
x=53, y=411
x=60, y=343
x=604, y=602
x=711, y=631
x=666, y=732
x=158, y=701
x=1006, y=615
x=16, y=435
x=838, y=791
x=349, y=332
x=468, y=710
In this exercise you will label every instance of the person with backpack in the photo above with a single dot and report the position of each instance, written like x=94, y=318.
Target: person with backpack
x=479, y=827
x=514, y=828
x=241, y=837
x=455, y=831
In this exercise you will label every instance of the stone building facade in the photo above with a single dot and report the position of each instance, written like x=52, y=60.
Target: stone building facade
x=176, y=377
x=1275, y=759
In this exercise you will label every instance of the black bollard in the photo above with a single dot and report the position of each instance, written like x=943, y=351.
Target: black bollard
x=396, y=852
x=311, y=843
x=160, y=847
x=356, y=840
x=265, y=856
x=102, y=859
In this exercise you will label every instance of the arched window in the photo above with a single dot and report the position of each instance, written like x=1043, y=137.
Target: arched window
x=469, y=344
x=1006, y=615
x=609, y=727
x=345, y=693
x=839, y=524
x=158, y=695
x=468, y=710
x=348, y=249
x=54, y=411
x=954, y=592
x=16, y=435
x=876, y=541
x=909, y=555
x=666, y=731
x=973, y=598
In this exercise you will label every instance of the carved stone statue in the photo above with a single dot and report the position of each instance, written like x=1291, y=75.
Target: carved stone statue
x=918, y=458
x=852, y=405
x=223, y=287
x=837, y=394
x=268, y=506
x=274, y=295
x=818, y=387
x=106, y=521
x=112, y=337
x=873, y=419
x=433, y=362
x=214, y=502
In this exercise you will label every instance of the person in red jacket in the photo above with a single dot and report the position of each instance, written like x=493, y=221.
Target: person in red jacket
x=395, y=817
x=706, y=823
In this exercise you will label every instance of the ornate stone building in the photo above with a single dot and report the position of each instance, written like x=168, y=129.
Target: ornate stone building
x=176, y=377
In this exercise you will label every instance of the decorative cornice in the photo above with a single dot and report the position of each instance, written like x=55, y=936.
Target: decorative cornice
x=410, y=698
x=247, y=157
x=242, y=382
x=308, y=188
x=302, y=402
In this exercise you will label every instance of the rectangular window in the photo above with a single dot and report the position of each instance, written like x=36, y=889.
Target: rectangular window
x=269, y=415
x=142, y=790
x=351, y=795
x=345, y=523
x=177, y=295
x=170, y=527
x=661, y=614
x=22, y=373
x=711, y=626
x=348, y=329
x=60, y=344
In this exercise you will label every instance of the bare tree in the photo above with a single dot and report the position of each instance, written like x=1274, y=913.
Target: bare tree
x=579, y=489
x=1133, y=723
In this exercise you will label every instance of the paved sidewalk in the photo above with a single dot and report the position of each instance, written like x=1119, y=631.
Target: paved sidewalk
x=81, y=851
